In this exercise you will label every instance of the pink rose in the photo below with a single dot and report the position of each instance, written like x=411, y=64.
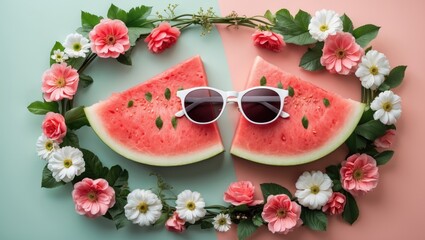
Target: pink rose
x=109, y=38
x=341, y=53
x=54, y=126
x=241, y=192
x=175, y=224
x=359, y=174
x=268, y=40
x=59, y=82
x=385, y=141
x=93, y=198
x=162, y=37
x=335, y=204
x=281, y=214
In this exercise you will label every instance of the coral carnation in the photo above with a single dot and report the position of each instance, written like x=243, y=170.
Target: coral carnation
x=109, y=38
x=175, y=224
x=335, y=204
x=385, y=141
x=268, y=40
x=54, y=126
x=341, y=53
x=162, y=37
x=93, y=198
x=241, y=192
x=281, y=214
x=59, y=82
x=359, y=174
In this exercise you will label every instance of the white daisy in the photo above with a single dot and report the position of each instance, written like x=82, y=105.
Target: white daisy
x=222, y=222
x=59, y=56
x=45, y=147
x=387, y=106
x=373, y=69
x=66, y=163
x=76, y=45
x=190, y=206
x=143, y=207
x=313, y=189
x=324, y=23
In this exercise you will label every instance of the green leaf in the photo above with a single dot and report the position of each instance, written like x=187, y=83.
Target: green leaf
x=94, y=167
x=76, y=63
x=304, y=121
x=76, y=118
x=310, y=61
x=115, y=12
x=206, y=225
x=269, y=16
x=117, y=213
x=394, y=79
x=137, y=16
x=130, y=103
x=351, y=211
x=84, y=31
x=355, y=143
x=126, y=57
x=257, y=220
x=148, y=96
x=117, y=177
x=245, y=229
x=273, y=189
x=85, y=81
x=367, y=49
x=47, y=180
x=70, y=139
x=366, y=116
x=294, y=29
x=333, y=172
x=337, y=187
x=365, y=34
x=263, y=81
x=57, y=46
x=42, y=108
x=279, y=85
x=161, y=221
x=314, y=219
x=158, y=122
x=383, y=157
x=290, y=91
x=89, y=20
x=134, y=33
x=347, y=24
x=167, y=94
x=241, y=208
x=371, y=130
x=174, y=122
x=326, y=102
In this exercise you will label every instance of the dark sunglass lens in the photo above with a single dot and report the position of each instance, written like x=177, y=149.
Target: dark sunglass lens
x=261, y=105
x=203, y=105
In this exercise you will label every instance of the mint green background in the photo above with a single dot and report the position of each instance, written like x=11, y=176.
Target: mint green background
x=29, y=30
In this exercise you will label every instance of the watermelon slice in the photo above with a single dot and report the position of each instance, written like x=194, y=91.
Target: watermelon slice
x=139, y=123
x=319, y=122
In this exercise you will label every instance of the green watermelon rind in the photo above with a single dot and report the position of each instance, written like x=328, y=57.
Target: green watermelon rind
x=154, y=160
x=331, y=145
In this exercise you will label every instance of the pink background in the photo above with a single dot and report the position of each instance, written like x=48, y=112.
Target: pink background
x=394, y=210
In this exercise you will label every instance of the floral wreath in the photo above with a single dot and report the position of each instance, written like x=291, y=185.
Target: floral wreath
x=333, y=43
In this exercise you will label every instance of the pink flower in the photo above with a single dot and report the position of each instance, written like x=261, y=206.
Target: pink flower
x=268, y=40
x=54, y=126
x=385, y=141
x=341, y=53
x=175, y=224
x=109, y=38
x=281, y=213
x=162, y=37
x=241, y=192
x=59, y=82
x=93, y=198
x=335, y=204
x=359, y=174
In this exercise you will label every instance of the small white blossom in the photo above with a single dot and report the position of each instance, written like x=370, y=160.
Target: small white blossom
x=66, y=163
x=59, y=56
x=190, y=206
x=143, y=207
x=76, y=45
x=313, y=189
x=373, y=69
x=387, y=107
x=324, y=23
x=45, y=147
x=222, y=222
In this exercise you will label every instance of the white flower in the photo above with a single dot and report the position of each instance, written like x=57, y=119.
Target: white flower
x=66, y=163
x=373, y=69
x=59, y=56
x=190, y=206
x=324, y=23
x=45, y=147
x=313, y=189
x=387, y=106
x=143, y=207
x=222, y=222
x=76, y=45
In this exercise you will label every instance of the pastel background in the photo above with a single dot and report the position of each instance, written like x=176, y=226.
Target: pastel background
x=29, y=28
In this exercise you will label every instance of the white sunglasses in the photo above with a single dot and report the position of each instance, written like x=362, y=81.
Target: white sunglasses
x=259, y=105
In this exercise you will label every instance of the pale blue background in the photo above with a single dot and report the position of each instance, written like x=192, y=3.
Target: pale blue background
x=28, y=31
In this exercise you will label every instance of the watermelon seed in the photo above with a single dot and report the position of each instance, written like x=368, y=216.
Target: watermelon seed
x=148, y=96
x=130, y=103
x=305, y=122
x=263, y=81
x=326, y=102
x=174, y=122
x=158, y=122
x=290, y=91
x=167, y=94
x=279, y=85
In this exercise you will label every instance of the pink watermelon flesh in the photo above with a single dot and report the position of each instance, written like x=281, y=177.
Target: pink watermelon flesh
x=287, y=141
x=139, y=123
